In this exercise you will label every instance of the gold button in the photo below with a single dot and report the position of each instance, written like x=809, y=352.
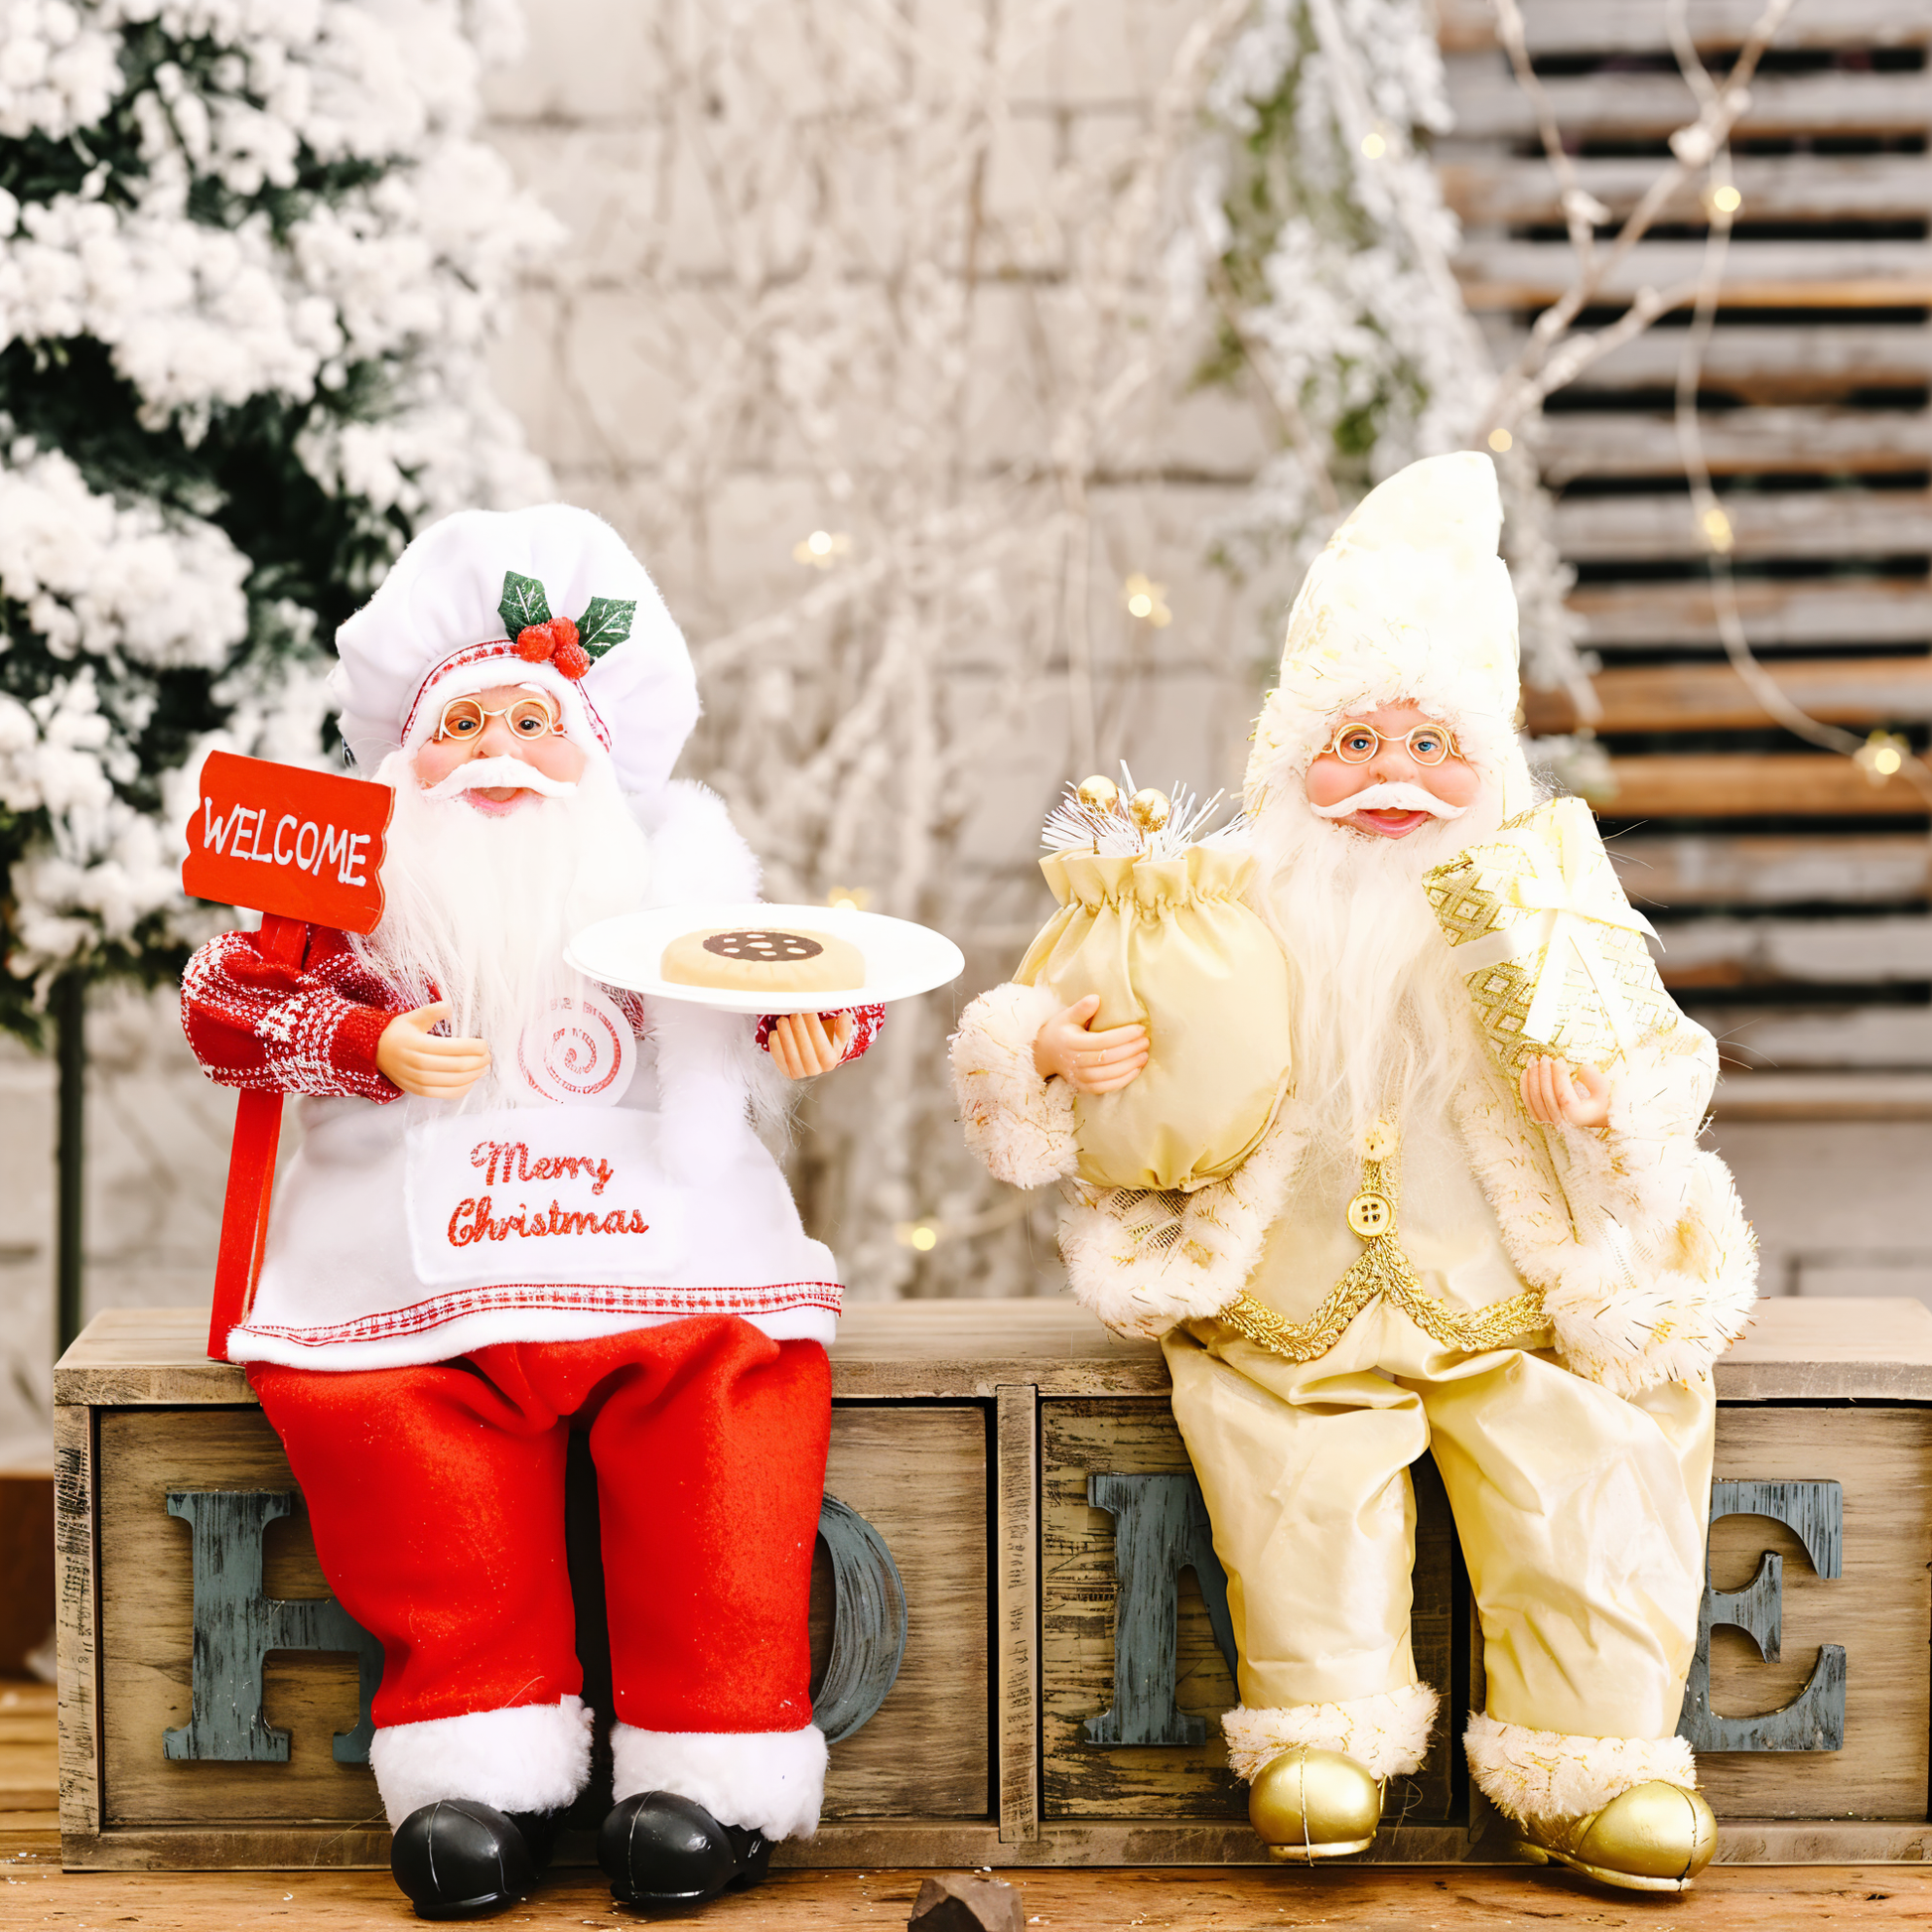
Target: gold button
x=1371, y=1214
x=1380, y=1140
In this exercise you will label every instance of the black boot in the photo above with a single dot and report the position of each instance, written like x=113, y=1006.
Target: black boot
x=658, y=1849
x=457, y=1859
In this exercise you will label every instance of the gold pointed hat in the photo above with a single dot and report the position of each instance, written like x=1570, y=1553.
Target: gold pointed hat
x=1407, y=603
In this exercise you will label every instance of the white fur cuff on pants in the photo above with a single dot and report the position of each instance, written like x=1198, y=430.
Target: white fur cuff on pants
x=1387, y=1735
x=770, y=1781
x=532, y=1757
x=1550, y=1774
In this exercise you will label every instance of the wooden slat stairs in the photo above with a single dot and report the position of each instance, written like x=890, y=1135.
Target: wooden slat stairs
x=1790, y=889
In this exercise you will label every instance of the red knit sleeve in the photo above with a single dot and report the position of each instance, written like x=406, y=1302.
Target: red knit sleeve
x=254, y=1021
x=867, y=1024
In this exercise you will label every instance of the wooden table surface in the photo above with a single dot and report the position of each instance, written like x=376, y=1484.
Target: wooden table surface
x=35, y=1893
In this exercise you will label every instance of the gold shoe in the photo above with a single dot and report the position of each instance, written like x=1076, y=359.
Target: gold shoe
x=1656, y=1836
x=1311, y=1804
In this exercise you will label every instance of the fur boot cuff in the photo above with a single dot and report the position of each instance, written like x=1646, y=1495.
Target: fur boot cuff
x=1020, y=1125
x=1550, y=1774
x=532, y=1757
x=770, y=1781
x=1387, y=1735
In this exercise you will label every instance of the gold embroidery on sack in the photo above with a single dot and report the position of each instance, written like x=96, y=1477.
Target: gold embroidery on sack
x=1382, y=1268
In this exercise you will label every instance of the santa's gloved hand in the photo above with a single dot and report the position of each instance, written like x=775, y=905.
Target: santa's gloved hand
x=410, y=1057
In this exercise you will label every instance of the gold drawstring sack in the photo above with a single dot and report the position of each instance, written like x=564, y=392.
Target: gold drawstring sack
x=1167, y=942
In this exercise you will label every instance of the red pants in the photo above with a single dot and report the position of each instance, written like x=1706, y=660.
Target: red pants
x=437, y=1500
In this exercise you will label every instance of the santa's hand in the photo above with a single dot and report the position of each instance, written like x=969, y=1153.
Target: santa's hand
x=1088, y=1063
x=1554, y=1090
x=410, y=1057
x=800, y=1044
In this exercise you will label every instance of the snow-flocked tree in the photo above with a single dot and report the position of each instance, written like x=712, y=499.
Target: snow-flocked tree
x=251, y=256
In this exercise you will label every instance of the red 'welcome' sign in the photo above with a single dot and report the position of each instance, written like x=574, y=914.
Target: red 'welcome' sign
x=302, y=848
x=307, y=845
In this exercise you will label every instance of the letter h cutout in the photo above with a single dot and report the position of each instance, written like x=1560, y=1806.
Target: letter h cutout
x=236, y=1626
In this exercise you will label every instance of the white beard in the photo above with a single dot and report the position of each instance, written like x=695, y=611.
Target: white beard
x=1381, y=1023
x=480, y=909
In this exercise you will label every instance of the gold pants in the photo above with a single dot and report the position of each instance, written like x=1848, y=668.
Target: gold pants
x=1582, y=1517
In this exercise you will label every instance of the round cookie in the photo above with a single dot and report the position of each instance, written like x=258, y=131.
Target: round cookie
x=764, y=959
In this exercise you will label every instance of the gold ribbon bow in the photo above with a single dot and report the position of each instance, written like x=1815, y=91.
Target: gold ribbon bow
x=1568, y=890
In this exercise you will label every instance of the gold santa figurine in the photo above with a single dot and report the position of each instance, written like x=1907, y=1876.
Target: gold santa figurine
x=1525, y=1266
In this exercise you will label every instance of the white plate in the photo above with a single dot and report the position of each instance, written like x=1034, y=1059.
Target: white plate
x=901, y=958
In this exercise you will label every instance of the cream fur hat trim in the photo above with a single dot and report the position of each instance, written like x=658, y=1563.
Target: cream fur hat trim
x=1409, y=602
x=435, y=629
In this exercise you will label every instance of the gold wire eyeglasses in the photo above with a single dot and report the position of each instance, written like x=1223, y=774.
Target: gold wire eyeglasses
x=1357, y=743
x=467, y=718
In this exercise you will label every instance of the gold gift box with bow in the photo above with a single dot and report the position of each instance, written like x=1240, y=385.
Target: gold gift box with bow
x=1551, y=951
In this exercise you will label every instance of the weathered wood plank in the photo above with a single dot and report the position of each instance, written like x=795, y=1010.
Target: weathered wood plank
x=1060, y=1348
x=1797, y=1039
x=78, y=1634
x=1852, y=610
x=1513, y=192
x=1015, y=1429
x=1768, y=868
x=1487, y=101
x=1820, y=274
x=1713, y=697
x=1817, y=952
x=1763, y=362
x=1637, y=26
x=1782, y=523
x=1823, y=1096
x=1796, y=784
x=1573, y=443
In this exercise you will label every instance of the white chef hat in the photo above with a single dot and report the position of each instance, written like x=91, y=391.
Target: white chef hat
x=476, y=601
x=1409, y=602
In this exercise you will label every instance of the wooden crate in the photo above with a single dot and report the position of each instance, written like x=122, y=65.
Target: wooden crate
x=967, y=1435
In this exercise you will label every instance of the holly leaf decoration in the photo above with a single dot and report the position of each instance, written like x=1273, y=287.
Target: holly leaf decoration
x=524, y=604
x=606, y=623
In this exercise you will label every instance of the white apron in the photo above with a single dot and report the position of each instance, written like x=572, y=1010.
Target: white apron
x=420, y=1230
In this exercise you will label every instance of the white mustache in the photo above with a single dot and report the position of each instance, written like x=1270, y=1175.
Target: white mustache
x=487, y=775
x=1396, y=796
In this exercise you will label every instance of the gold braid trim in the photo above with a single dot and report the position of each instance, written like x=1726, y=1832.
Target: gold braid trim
x=1382, y=1268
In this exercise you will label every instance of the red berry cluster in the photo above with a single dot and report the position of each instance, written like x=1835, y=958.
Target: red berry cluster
x=556, y=643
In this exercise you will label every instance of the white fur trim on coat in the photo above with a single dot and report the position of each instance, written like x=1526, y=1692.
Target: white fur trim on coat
x=770, y=1781
x=1387, y=1735
x=531, y=1757
x=1020, y=1125
x=1550, y=1774
x=1143, y=1262
x=1635, y=1297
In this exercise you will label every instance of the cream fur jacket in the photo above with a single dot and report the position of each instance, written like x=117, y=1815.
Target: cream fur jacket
x=1634, y=1234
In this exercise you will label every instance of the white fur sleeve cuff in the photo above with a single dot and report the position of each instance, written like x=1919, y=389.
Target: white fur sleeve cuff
x=1020, y=1125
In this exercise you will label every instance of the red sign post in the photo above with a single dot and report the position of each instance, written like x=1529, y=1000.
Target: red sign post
x=302, y=848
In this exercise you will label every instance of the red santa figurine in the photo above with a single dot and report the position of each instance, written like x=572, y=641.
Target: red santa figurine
x=524, y=1204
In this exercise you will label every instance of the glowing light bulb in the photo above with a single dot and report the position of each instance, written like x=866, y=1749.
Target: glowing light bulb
x=1374, y=146
x=822, y=549
x=1725, y=199
x=1141, y=603
x=1885, y=761
x=921, y=1236
x=1501, y=440
x=1716, y=528
x=1147, y=601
